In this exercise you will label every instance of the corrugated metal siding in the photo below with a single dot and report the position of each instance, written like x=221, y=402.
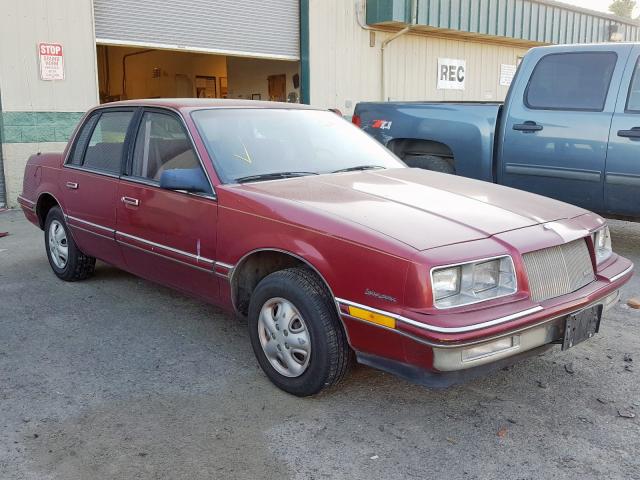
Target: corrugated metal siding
x=528, y=20
x=251, y=27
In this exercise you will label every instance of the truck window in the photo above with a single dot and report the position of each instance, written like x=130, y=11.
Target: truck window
x=571, y=81
x=633, y=100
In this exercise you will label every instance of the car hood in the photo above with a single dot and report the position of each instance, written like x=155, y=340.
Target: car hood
x=419, y=208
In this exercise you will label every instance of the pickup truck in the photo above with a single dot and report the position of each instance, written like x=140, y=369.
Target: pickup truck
x=569, y=129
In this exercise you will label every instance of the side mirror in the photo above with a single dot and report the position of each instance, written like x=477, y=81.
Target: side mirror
x=188, y=179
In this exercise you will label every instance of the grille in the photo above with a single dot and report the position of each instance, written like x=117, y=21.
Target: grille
x=558, y=270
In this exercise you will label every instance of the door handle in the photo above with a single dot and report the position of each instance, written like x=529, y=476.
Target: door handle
x=72, y=185
x=527, y=126
x=633, y=133
x=130, y=201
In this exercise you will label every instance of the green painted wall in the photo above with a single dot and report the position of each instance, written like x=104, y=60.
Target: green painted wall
x=38, y=127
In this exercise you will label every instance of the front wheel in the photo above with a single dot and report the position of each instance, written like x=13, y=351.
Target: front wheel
x=65, y=258
x=296, y=334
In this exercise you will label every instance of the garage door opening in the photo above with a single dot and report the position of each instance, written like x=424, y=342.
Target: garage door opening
x=126, y=73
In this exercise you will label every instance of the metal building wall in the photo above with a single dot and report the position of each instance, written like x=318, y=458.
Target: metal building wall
x=248, y=28
x=541, y=21
x=345, y=69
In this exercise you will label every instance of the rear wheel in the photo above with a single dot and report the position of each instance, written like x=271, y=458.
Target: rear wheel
x=431, y=162
x=296, y=334
x=66, y=260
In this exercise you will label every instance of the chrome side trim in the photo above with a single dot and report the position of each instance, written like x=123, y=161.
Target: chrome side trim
x=91, y=170
x=26, y=200
x=76, y=219
x=144, y=250
x=225, y=265
x=91, y=232
x=435, y=328
x=621, y=274
x=171, y=249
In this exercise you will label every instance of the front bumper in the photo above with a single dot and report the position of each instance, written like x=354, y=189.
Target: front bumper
x=462, y=357
x=439, y=356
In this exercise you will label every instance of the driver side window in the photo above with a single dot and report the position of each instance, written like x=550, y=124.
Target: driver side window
x=161, y=144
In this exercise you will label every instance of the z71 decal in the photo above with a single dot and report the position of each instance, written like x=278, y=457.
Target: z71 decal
x=381, y=124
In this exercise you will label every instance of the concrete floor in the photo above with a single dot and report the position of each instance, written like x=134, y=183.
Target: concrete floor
x=116, y=377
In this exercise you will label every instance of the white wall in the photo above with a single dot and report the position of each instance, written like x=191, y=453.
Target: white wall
x=345, y=69
x=140, y=81
x=24, y=23
x=249, y=75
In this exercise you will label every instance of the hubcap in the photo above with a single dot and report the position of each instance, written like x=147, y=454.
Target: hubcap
x=284, y=337
x=58, y=246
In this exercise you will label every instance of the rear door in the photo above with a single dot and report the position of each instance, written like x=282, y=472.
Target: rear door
x=556, y=126
x=622, y=185
x=166, y=236
x=90, y=182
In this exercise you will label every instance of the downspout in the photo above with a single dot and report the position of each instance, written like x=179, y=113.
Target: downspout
x=405, y=30
x=3, y=187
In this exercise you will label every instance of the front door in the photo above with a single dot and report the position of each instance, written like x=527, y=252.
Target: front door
x=557, y=126
x=622, y=185
x=90, y=182
x=166, y=236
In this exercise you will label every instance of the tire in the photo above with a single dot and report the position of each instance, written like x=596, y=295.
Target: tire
x=58, y=240
x=431, y=162
x=328, y=355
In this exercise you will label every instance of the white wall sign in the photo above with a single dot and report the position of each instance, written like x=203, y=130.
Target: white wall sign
x=506, y=74
x=451, y=74
x=51, y=61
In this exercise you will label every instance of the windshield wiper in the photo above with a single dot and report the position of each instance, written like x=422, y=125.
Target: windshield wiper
x=359, y=167
x=273, y=176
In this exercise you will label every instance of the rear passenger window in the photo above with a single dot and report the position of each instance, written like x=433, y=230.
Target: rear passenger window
x=82, y=139
x=571, y=81
x=161, y=144
x=104, y=151
x=633, y=102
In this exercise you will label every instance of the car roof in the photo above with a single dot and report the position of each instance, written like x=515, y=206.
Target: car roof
x=198, y=103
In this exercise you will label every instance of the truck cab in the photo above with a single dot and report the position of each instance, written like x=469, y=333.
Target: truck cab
x=569, y=129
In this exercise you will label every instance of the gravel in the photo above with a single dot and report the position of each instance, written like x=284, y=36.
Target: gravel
x=116, y=377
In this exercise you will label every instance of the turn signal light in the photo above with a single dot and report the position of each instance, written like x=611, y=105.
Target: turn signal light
x=372, y=317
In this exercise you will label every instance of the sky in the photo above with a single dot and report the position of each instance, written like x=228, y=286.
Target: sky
x=601, y=5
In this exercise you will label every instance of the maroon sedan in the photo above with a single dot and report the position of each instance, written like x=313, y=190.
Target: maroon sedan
x=323, y=239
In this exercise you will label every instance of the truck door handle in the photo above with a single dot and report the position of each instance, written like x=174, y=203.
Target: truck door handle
x=633, y=133
x=72, y=185
x=130, y=201
x=527, y=126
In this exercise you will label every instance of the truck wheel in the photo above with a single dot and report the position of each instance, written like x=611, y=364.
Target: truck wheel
x=431, y=162
x=66, y=260
x=296, y=334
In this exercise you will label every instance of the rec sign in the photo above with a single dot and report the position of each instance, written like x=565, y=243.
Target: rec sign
x=51, y=61
x=451, y=74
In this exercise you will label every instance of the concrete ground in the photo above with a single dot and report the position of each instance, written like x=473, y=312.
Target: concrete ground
x=116, y=377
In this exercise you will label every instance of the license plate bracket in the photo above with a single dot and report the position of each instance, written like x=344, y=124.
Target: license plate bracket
x=581, y=326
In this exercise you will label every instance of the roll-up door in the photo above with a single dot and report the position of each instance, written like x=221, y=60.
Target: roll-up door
x=254, y=28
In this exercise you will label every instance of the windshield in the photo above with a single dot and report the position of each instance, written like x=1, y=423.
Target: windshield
x=254, y=144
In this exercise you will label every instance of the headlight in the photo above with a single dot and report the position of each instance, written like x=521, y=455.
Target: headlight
x=473, y=282
x=602, y=244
